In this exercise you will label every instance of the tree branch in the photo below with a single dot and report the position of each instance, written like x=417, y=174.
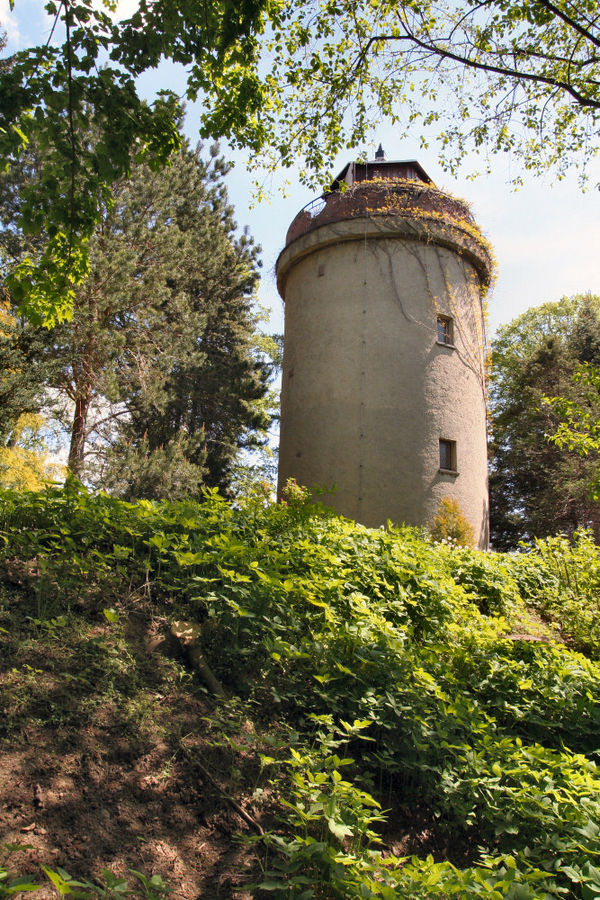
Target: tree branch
x=71, y=128
x=547, y=4
x=443, y=53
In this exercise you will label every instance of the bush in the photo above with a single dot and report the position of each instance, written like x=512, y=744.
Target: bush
x=451, y=526
x=389, y=639
x=572, y=594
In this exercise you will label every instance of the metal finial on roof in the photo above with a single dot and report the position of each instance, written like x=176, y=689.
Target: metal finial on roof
x=380, y=153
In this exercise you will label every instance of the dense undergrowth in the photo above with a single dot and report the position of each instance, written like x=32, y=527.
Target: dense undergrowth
x=389, y=677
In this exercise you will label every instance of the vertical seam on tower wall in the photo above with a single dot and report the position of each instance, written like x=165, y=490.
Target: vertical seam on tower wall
x=362, y=382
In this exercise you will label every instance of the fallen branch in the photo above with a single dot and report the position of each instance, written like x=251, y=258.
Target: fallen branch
x=232, y=802
x=188, y=636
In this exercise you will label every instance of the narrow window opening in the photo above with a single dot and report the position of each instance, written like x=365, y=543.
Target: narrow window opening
x=447, y=455
x=445, y=330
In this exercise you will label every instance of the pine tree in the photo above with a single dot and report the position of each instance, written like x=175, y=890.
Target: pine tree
x=201, y=405
x=160, y=367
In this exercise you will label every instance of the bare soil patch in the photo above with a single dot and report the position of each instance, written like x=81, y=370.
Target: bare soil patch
x=107, y=772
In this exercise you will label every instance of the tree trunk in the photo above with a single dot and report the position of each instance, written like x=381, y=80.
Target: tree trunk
x=78, y=436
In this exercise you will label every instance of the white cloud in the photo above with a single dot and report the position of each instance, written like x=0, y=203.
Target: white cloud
x=125, y=9
x=27, y=25
x=10, y=25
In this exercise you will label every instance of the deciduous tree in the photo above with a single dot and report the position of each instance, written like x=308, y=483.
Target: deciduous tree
x=295, y=82
x=537, y=488
x=25, y=461
x=500, y=75
x=83, y=83
x=579, y=420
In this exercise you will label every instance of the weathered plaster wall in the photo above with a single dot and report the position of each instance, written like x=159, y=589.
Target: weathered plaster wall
x=367, y=391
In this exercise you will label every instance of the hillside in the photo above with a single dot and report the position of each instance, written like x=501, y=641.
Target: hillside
x=271, y=701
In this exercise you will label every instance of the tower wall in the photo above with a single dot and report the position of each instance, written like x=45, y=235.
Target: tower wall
x=368, y=391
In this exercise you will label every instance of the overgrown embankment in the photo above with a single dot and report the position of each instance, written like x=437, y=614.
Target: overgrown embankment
x=398, y=720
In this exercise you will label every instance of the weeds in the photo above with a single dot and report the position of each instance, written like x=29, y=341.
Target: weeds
x=572, y=594
x=360, y=660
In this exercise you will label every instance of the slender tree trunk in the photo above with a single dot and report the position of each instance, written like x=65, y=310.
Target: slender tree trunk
x=78, y=435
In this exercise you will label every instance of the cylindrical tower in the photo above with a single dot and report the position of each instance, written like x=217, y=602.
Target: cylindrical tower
x=383, y=396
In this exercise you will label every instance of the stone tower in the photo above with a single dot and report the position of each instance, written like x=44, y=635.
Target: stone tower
x=383, y=390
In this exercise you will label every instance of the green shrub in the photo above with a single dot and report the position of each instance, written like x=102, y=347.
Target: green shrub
x=450, y=525
x=572, y=594
x=311, y=618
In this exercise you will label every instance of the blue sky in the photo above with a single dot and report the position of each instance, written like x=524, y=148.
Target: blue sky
x=546, y=235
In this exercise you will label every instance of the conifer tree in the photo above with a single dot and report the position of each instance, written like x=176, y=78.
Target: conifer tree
x=202, y=404
x=159, y=367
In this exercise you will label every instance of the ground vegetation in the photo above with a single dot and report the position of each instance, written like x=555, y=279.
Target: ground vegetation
x=373, y=714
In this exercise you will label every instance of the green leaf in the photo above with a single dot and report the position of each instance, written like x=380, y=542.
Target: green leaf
x=338, y=829
x=111, y=615
x=61, y=884
x=20, y=884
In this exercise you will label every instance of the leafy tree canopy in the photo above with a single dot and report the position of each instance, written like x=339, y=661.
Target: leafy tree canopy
x=59, y=94
x=536, y=488
x=579, y=427
x=503, y=74
x=25, y=463
x=290, y=81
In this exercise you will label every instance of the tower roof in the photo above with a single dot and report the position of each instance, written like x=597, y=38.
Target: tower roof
x=380, y=168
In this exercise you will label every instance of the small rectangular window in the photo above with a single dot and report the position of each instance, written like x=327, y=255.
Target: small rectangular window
x=445, y=330
x=447, y=455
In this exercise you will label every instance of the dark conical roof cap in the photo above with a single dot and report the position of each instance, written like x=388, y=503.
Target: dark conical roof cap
x=380, y=154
